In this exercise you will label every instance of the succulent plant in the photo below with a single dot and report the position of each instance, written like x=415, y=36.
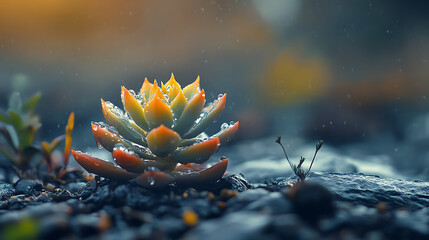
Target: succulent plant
x=160, y=138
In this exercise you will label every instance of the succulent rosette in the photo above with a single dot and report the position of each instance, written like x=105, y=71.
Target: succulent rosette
x=159, y=138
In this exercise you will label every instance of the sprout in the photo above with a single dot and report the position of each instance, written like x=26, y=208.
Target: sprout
x=18, y=127
x=159, y=137
x=299, y=172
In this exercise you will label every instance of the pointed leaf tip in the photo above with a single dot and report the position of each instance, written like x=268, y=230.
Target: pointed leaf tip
x=157, y=112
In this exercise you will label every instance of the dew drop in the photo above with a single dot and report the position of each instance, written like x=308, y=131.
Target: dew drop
x=224, y=126
x=151, y=181
x=99, y=145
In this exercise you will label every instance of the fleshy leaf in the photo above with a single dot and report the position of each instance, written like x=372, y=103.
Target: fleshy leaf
x=132, y=163
x=197, y=153
x=209, y=117
x=108, y=138
x=178, y=105
x=134, y=109
x=116, y=118
x=192, y=89
x=154, y=179
x=157, y=112
x=145, y=89
x=211, y=174
x=172, y=88
x=162, y=141
x=101, y=167
x=190, y=113
x=156, y=92
x=227, y=134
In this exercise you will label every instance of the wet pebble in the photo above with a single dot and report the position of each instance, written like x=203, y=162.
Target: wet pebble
x=6, y=191
x=311, y=201
x=238, y=225
x=28, y=187
x=273, y=203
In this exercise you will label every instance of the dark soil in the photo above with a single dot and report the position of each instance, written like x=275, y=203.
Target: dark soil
x=328, y=206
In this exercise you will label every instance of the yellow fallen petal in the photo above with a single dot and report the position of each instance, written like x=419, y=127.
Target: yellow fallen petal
x=157, y=112
x=190, y=218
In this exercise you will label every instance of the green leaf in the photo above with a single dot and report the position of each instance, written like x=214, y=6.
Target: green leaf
x=4, y=118
x=32, y=102
x=15, y=119
x=9, y=134
x=15, y=103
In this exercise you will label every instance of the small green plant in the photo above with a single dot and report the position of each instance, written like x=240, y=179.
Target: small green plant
x=299, y=172
x=18, y=126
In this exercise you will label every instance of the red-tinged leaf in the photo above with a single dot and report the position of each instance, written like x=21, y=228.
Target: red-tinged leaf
x=154, y=179
x=197, y=153
x=132, y=163
x=228, y=134
x=102, y=168
x=162, y=140
x=211, y=174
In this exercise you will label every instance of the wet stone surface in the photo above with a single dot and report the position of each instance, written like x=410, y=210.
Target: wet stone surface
x=327, y=206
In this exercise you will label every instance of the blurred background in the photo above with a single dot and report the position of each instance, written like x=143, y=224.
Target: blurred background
x=354, y=73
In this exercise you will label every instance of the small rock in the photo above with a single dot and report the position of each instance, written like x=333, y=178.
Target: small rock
x=235, y=182
x=54, y=227
x=238, y=225
x=311, y=201
x=76, y=187
x=85, y=225
x=6, y=191
x=28, y=187
x=273, y=203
